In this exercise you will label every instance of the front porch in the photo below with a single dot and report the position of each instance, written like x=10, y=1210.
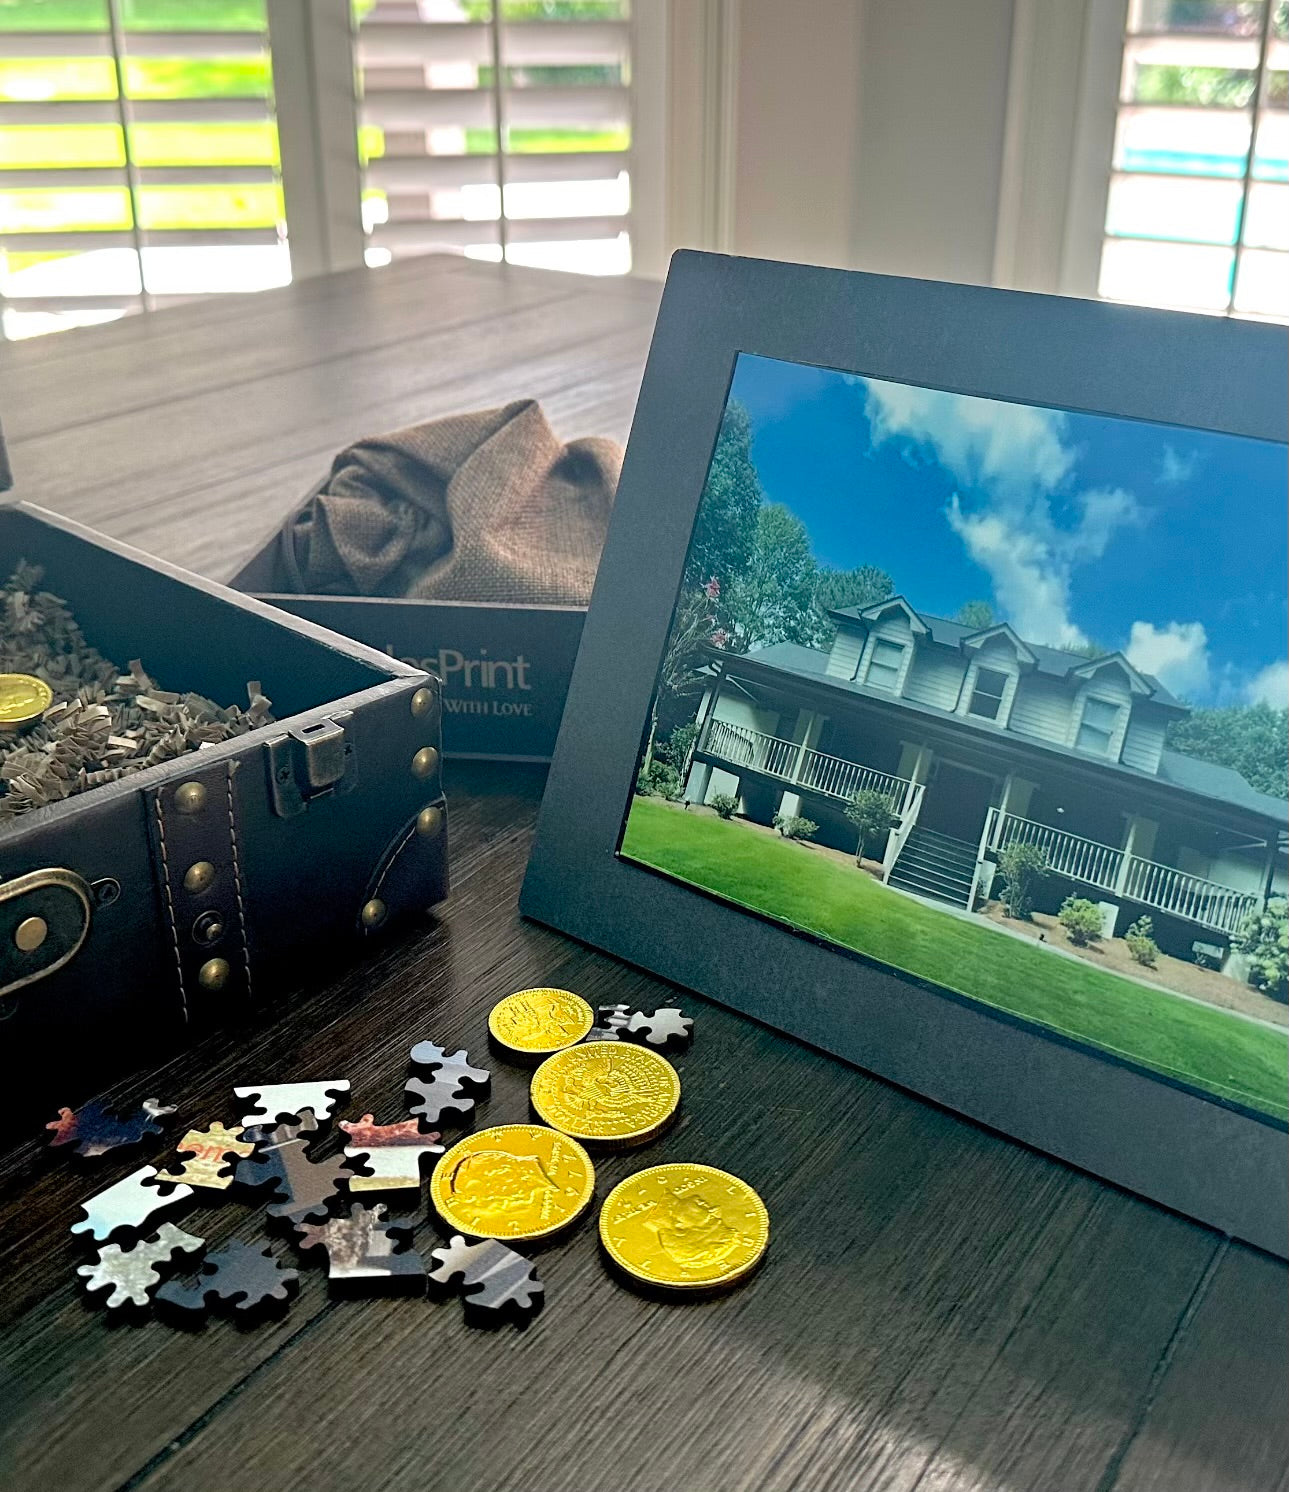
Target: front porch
x=1124, y=876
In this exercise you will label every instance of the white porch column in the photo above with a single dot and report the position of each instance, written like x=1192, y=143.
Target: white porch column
x=790, y=804
x=700, y=775
x=713, y=699
x=1138, y=843
x=809, y=739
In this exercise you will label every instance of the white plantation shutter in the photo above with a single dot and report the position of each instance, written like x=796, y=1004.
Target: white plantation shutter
x=138, y=157
x=1198, y=207
x=497, y=130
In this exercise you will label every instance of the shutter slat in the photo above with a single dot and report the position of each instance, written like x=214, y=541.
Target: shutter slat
x=439, y=172
x=142, y=111
x=116, y=238
x=471, y=108
x=427, y=233
x=137, y=44
x=26, y=178
x=523, y=43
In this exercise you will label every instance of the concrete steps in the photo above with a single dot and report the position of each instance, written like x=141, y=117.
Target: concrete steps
x=936, y=865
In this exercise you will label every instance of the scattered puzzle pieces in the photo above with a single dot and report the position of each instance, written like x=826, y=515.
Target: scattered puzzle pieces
x=240, y=1276
x=392, y=1153
x=305, y=1123
x=492, y=1277
x=361, y=1249
x=209, y=1150
x=288, y=1100
x=132, y=1273
x=303, y=1189
x=95, y=1129
x=441, y=1093
x=129, y=1203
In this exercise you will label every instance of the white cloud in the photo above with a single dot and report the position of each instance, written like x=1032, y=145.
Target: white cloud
x=1174, y=468
x=1270, y=686
x=982, y=442
x=1019, y=520
x=1177, y=655
x=1030, y=587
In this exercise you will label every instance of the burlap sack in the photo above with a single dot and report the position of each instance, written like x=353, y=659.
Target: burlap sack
x=488, y=506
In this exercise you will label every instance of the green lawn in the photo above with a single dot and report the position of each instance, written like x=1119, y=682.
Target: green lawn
x=1209, y=1048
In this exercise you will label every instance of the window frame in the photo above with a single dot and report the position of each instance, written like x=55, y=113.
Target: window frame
x=901, y=648
x=1000, y=699
x=1116, y=707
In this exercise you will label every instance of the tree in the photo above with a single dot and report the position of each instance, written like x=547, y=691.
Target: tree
x=976, y=614
x=1023, y=866
x=685, y=657
x=870, y=812
x=773, y=599
x=1254, y=739
x=862, y=587
x=725, y=529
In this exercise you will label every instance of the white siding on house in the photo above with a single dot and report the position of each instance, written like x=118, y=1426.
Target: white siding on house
x=1042, y=709
x=934, y=677
x=1107, y=684
x=1144, y=743
x=736, y=709
x=847, y=647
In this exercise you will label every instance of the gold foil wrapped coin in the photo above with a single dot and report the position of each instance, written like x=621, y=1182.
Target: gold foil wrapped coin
x=685, y=1227
x=537, y=1022
x=610, y=1092
x=23, y=700
x=512, y=1182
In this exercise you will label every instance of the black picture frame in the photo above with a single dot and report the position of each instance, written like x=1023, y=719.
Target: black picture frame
x=1221, y=1166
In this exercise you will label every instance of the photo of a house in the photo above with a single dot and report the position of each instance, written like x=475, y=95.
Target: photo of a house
x=884, y=716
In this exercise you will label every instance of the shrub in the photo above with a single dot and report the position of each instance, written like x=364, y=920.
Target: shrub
x=1081, y=918
x=660, y=780
x=870, y=812
x=1264, y=941
x=1140, y=939
x=1205, y=958
x=1023, y=867
x=726, y=804
x=793, y=826
x=679, y=744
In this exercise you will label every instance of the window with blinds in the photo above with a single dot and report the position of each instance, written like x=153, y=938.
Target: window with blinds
x=138, y=157
x=1198, y=210
x=497, y=128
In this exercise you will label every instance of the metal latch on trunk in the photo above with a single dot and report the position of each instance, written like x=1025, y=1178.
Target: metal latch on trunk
x=312, y=761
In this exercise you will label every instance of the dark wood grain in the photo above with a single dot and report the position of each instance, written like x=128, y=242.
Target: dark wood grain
x=940, y=1309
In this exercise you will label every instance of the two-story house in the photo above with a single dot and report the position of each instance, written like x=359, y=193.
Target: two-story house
x=979, y=738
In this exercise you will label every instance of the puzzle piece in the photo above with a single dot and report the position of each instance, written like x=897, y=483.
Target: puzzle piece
x=239, y=1275
x=665, y=1027
x=132, y=1273
x=392, y=1153
x=492, y=1277
x=209, y=1150
x=96, y=1129
x=609, y=1023
x=287, y=1100
x=441, y=1093
x=265, y=1135
x=129, y=1203
x=302, y=1188
x=361, y=1249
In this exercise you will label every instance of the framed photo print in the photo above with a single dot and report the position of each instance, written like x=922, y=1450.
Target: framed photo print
x=932, y=707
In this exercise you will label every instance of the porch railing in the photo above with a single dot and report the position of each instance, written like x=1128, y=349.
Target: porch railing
x=831, y=776
x=1207, y=902
x=1069, y=855
x=1128, y=877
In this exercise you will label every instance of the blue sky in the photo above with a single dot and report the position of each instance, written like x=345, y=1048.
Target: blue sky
x=1169, y=543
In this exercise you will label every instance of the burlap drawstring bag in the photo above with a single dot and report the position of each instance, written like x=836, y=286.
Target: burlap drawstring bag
x=488, y=506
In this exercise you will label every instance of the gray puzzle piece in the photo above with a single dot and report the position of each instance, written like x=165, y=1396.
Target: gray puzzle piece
x=441, y=1093
x=492, y=1276
x=132, y=1273
x=130, y=1203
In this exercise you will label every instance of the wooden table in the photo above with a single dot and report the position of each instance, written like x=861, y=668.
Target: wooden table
x=941, y=1308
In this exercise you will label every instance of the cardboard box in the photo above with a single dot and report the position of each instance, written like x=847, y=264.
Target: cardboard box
x=505, y=669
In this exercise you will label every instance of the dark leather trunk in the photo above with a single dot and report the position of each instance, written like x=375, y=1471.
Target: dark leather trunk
x=315, y=827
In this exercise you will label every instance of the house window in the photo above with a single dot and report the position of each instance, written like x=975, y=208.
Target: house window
x=885, y=664
x=1097, y=728
x=987, y=696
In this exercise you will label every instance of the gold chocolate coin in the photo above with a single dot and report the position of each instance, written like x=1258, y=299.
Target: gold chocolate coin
x=23, y=700
x=685, y=1227
x=512, y=1182
x=612, y=1092
x=537, y=1022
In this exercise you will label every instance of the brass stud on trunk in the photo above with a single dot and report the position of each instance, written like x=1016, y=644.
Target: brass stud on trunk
x=198, y=877
x=422, y=703
x=190, y=797
x=30, y=933
x=425, y=761
x=213, y=974
x=429, y=820
x=373, y=912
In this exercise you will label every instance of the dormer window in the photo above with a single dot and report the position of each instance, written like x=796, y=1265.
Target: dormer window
x=885, y=665
x=1097, y=728
x=987, y=695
